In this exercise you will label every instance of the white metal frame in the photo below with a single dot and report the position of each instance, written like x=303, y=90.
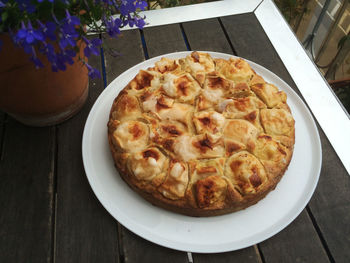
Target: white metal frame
x=318, y=95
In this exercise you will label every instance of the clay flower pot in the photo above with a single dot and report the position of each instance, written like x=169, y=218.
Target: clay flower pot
x=39, y=97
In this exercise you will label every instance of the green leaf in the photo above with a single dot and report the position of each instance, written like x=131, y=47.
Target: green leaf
x=4, y=16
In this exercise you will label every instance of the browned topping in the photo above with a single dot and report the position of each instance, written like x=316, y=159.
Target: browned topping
x=195, y=56
x=241, y=104
x=255, y=179
x=143, y=80
x=210, y=190
x=243, y=184
x=206, y=169
x=233, y=70
x=127, y=103
x=259, y=85
x=251, y=116
x=216, y=82
x=281, y=150
x=205, y=121
x=161, y=104
x=239, y=64
x=167, y=68
x=135, y=130
x=145, y=96
x=151, y=153
x=203, y=145
x=172, y=130
x=241, y=86
x=264, y=136
x=183, y=87
x=232, y=147
x=112, y=125
x=205, y=192
x=234, y=165
x=168, y=144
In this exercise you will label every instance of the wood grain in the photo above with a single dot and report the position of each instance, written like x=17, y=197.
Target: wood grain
x=164, y=39
x=245, y=255
x=2, y=130
x=292, y=243
x=207, y=35
x=128, y=46
x=26, y=194
x=330, y=204
x=137, y=249
x=85, y=232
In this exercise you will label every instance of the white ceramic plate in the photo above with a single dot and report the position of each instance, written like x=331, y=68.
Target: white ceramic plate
x=203, y=235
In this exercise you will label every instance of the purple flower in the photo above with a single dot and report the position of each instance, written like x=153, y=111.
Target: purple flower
x=35, y=59
x=48, y=29
x=134, y=21
x=141, y=4
x=68, y=33
x=92, y=47
x=66, y=40
x=37, y=62
x=58, y=65
x=49, y=51
x=126, y=7
x=26, y=5
x=72, y=20
x=93, y=73
x=140, y=22
x=67, y=56
x=112, y=26
x=2, y=4
x=29, y=35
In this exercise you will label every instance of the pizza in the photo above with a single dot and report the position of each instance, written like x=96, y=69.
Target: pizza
x=201, y=136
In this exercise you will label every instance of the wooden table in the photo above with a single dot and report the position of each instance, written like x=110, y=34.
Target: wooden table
x=50, y=214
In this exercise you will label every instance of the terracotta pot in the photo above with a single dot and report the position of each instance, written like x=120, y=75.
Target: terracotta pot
x=39, y=97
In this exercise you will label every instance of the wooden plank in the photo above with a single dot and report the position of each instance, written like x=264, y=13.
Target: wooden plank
x=2, y=129
x=134, y=248
x=299, y=231
x=330, y=204
x=245, y=255
x=253, y=44
x=85, y=232
x=129, y=47
x=137, y=249
x=207, y=35
x=164, y=39
x=200, y=39
x=26, y=194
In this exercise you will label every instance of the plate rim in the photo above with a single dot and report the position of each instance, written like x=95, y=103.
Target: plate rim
x=199, y=248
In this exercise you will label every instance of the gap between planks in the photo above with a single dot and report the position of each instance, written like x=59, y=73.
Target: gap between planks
x=320, y=235
x=3, y=120
x=53, y=168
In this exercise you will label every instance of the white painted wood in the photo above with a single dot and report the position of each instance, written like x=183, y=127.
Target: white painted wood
x=198, y=11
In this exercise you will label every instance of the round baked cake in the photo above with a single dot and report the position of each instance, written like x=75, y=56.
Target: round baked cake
x=201, y=136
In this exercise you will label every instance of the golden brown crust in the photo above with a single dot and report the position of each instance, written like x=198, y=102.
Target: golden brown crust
x=201, y=136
